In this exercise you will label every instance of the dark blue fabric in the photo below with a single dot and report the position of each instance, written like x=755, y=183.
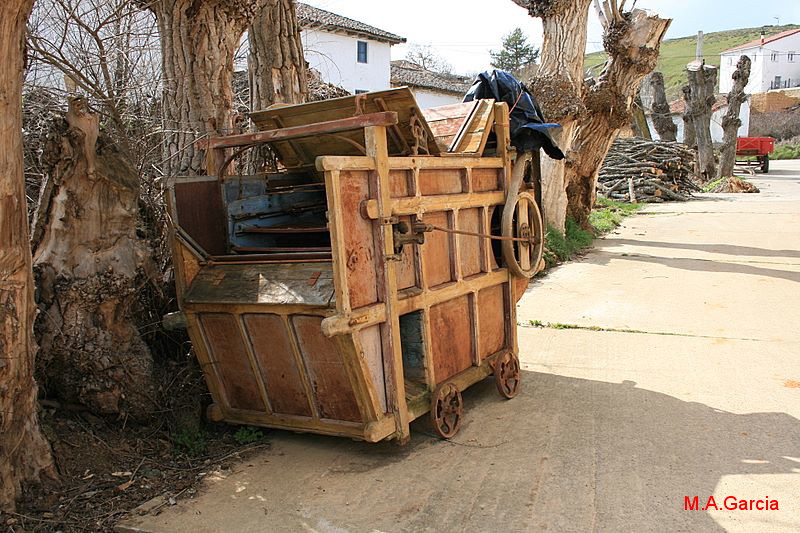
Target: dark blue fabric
x=529, y=131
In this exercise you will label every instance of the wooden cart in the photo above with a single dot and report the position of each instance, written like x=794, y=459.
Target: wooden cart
x=356, y=289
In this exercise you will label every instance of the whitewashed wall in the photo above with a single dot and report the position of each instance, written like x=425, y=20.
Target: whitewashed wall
x=336, y=58
x=426, y=99
x=764, y=69
x=716, y=123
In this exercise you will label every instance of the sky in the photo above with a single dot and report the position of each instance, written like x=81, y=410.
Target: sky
x=463, y=31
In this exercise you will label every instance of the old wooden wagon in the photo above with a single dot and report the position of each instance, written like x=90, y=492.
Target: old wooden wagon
x=357, y=288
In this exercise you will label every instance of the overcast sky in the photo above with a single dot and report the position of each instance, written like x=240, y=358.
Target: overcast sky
x=463, y=31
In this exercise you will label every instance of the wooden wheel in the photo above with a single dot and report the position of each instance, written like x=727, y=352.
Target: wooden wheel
x=523, y=220
x=507, y=375
x=447, y=410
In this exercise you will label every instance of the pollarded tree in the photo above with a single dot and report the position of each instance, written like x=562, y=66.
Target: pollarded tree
x=731, y=121
x=515, y=54
x=24, y=454
x=558, y=87
x=198, y=42
x=632, y=41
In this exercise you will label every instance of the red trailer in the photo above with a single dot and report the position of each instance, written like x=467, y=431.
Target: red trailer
x=758, y=147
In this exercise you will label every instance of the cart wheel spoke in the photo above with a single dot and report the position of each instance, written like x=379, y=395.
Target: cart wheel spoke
x=522, y=220
x=447, y=408
x=507, y=375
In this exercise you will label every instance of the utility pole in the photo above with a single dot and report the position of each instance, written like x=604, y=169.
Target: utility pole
x=699, y=55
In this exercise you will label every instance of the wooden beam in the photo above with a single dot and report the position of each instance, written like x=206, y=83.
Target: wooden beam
x=386, y=118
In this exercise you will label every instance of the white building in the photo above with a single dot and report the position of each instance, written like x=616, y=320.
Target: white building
x=678, y=107
x=431, y=89
x=346, y=52
x=775, y=63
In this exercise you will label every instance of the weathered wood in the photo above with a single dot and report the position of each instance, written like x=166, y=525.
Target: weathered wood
x=702, y=84
x=24, y=453
x=731, y=122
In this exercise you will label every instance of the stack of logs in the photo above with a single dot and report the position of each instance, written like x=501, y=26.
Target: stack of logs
x=638, y=170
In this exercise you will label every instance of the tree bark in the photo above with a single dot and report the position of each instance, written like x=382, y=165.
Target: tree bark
x=731, y=121
x=276, y=64
x=89, y=264
x=558, y=87
x=703, y=83
x=198, y=42
x=639, y=123
x=662, y=118
x=632, y=41
x=24, y=453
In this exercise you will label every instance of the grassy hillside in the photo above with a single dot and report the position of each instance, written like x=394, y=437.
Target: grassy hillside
x=675, y=53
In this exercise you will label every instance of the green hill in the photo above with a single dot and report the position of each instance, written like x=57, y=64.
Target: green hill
x=676, y=53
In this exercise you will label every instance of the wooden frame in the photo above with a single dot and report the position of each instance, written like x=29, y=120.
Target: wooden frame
x=324, y=346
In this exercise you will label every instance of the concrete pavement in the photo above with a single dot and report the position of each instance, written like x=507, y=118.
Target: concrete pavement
x=671, y=368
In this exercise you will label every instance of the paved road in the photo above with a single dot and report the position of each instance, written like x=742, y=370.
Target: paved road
x=684, y=380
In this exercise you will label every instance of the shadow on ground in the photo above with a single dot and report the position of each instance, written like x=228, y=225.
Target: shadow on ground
x=566, y=455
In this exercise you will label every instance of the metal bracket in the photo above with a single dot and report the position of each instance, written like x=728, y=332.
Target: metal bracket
x=415, y=234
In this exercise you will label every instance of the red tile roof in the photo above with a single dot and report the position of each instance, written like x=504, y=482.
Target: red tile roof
x=767, y=40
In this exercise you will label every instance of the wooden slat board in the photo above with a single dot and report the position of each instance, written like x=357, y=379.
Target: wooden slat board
x=462, y=127
x=305, y=151
x=446, y=121
x=475, y=132
x=271, y=284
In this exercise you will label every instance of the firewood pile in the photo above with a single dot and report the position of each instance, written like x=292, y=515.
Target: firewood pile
x=645, y=171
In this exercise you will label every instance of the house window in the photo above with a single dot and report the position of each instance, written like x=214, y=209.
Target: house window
x=775, y=56
x=791, y=57
x=361, y=91
x=362, y=52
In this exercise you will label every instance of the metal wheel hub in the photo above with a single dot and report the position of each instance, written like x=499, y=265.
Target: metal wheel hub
x=507, y=375
x=447, y=410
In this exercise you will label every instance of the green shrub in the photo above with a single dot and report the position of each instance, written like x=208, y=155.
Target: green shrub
x=786, y=151
x=562, y=247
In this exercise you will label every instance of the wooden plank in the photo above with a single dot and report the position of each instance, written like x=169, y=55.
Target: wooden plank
x=385, y=118
x=441, y=181
x=200, y=213
x=359, y=243
x=399, y=100
x=273, y=351
x=451, y=320
x=436, y=252
x=470, y=248
x=334, y=162
x=475, y=130
x=453, y=290
x=227, y=350
x=492, y=320
x=485, y=179
x=270, y=284
x=330, y=384
x=378, y=150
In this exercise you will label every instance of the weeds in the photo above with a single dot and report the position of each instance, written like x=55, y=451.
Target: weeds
x=189, y=441
x=247, y=435
x=786, y=151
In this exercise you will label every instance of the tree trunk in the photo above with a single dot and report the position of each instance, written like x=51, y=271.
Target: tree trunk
x=89, y=264
x=689, y=137
x=558, y=87
x=639, y=123
x=276, y=66
x=662, y=118
x=632, y=41
x=24, y=453
x=703, y=83
x=198, y=42
x=731, y=122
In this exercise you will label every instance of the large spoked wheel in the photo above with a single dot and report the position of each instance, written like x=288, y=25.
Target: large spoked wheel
x=506, y=375
x=523, y=220
x=447, y=410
